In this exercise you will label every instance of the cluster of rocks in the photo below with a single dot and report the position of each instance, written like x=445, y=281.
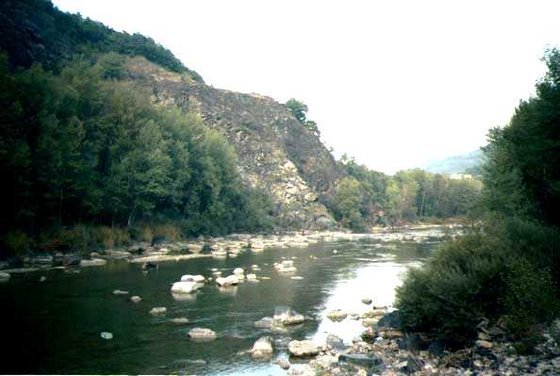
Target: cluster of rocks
x=161, y=249
x=384, y=349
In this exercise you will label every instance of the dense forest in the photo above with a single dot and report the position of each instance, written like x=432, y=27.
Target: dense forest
x=507, y=269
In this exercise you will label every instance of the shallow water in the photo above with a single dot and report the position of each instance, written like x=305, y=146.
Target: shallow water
x=54, y=326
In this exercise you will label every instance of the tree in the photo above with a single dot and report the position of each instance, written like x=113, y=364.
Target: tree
x=298, y=109
x=348, y=201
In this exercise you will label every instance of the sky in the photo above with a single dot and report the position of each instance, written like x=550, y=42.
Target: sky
x=394, y=84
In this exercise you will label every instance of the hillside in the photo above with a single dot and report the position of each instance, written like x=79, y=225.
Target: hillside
x=457, y=164
x=276, y=155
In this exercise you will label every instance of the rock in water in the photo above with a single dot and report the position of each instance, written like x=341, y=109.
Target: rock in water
x=227, y=281
x=287, y=316
x=303, y=349
x=106, y=335
x=93, y=262
x=262, y=348
x=193, y=278
x=185, y=287
x=135, y=299
x=202, y=334
x=180, y=320
x=283, y=363
x=264, y=323
x=158, y=311
x=367, y=301
x=4, y=276
x=120, y=292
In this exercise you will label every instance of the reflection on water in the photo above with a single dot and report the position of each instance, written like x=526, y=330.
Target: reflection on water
x=55, y=326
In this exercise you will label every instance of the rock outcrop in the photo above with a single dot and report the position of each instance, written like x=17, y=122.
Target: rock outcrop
x=276, y=153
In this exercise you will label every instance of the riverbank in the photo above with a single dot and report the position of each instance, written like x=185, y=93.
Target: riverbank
x=220, y=247
x=385, y=350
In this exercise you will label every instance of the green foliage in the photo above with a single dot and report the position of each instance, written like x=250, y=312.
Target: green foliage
x=347, y=203
x=34, y=31
x=16, y=243
x=511, y=267
x=77, y=147
x=407, y=196
x=531, y=297
x=487, y=274
x=299, y=110
x=524, y=156
x=455, y=289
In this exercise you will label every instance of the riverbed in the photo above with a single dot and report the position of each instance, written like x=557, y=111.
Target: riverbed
x=55, y=326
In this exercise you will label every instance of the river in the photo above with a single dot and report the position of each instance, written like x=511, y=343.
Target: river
x=54, y=326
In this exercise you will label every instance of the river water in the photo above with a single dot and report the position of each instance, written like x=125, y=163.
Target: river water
x=54, y=326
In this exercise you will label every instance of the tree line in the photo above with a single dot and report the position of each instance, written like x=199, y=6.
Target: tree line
x=366, y=198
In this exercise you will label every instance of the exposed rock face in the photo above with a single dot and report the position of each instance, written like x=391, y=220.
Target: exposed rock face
x=276, y=153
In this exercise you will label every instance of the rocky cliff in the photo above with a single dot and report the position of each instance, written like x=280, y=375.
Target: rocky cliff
x=276, y=153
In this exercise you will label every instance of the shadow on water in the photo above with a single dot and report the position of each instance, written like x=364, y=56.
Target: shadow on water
x=54, y=326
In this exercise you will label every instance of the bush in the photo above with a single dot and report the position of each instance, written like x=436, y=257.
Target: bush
x=15, y=243
x=168, y=231
x=530, y=298
x=501, y=270
x=454, y=290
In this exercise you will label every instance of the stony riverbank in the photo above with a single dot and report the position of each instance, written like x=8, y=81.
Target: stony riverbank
x=162, y=250
x=384, y=349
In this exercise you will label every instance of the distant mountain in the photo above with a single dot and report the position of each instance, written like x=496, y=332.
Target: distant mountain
x=457, y=164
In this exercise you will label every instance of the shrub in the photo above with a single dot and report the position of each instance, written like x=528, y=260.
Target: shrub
x=530, y=298
x=16, y=243
x=500, y=270
x=454, y=290
x=168, y=231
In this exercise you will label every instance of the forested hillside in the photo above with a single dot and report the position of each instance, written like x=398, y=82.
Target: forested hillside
x=34, y=31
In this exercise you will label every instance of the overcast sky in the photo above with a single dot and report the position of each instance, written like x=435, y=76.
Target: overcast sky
x=392, y=83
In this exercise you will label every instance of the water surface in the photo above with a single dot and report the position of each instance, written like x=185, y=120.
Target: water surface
x=54, y=326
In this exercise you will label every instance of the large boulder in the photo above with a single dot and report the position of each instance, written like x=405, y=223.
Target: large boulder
x=202, y=334
x=185, y=287
x=262, y=348
x=302, y=349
